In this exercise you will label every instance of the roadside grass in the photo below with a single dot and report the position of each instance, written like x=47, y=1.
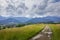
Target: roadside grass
x=22, y=33
x=56, y=31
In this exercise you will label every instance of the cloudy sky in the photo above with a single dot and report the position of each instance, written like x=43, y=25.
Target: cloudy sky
x=29, y=8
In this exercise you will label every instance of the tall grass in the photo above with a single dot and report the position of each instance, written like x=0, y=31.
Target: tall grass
x=22, y=33
x=56, y=31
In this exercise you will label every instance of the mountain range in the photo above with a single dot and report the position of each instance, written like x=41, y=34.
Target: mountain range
x=13, y=20
x=21, y=20
x=47, y=19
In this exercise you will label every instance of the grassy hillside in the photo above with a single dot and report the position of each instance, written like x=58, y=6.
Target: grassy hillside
x=22, y=33
x=56, y=31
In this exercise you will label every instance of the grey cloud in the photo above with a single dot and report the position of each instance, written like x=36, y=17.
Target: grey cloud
x=48, y=9
x=31, y=8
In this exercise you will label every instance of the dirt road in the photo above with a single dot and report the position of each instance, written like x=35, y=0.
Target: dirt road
x=45, y=34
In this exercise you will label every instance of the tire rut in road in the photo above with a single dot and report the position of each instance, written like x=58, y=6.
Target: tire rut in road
x=45, y=34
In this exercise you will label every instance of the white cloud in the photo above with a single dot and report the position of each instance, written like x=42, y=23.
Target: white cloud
x=53, y=9
x=30, y=8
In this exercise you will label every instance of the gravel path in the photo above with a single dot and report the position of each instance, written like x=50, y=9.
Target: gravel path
x=45, y=34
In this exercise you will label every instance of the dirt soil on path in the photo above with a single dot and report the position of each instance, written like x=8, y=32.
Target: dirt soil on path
x=45, y=34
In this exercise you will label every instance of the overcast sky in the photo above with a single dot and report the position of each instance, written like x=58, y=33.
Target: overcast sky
x=29, y=8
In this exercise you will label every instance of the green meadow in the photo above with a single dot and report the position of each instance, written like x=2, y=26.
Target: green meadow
x=56, y=31
x=28, y=31
x=20, y=33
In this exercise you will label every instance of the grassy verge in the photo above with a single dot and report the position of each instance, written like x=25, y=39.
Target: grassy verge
x=56, y=31
x=22, y=33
